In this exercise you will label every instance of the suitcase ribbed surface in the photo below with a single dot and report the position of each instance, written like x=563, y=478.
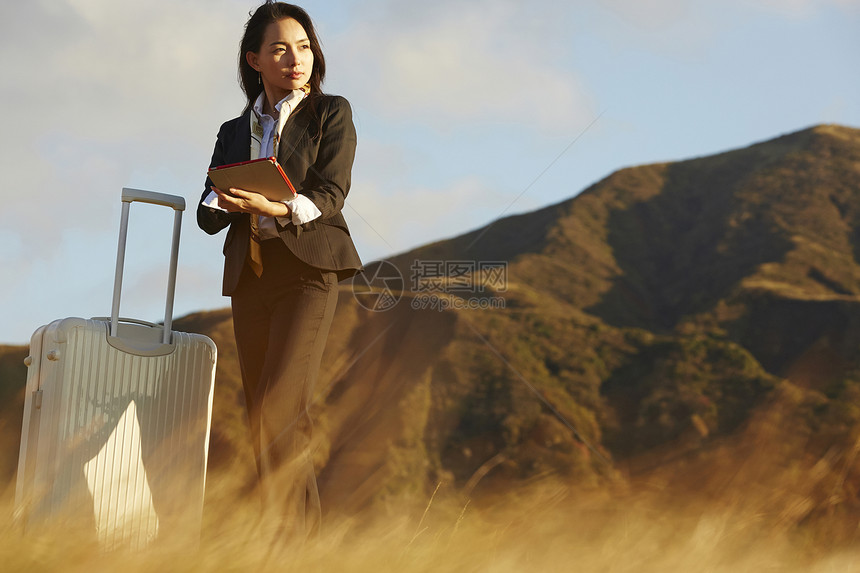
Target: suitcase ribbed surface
x=122, y=438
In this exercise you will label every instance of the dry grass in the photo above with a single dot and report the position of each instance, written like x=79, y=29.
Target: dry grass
x=547, y=528
x=757, y=502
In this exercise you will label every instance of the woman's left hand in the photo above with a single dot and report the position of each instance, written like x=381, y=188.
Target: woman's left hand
x=242, y=201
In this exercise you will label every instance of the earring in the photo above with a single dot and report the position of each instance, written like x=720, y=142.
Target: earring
x=259, y=78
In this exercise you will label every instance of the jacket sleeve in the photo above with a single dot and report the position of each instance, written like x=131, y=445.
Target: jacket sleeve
x=208, y=219
x=328, y=178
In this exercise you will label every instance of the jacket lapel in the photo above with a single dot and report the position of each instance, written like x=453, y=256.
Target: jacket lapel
x=295, y=128
x=240, y=148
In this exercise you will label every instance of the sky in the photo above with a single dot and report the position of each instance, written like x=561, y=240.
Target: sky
x=466, y=111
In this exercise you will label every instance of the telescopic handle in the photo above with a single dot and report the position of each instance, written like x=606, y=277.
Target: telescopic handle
x=178, y=205
x=174, y=201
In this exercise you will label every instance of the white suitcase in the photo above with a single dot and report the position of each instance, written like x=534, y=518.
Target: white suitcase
x=116, y=419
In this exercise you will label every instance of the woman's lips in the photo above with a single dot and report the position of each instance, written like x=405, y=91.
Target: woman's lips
x=295, y=75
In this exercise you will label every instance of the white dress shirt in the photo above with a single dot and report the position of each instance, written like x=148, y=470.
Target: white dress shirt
x=302, y=209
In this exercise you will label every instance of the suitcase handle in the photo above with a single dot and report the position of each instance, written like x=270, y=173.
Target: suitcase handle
x=129, y=195
x=178, y=205
x=128, y=320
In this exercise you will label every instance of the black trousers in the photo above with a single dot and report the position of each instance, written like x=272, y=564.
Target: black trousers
x=281, y=321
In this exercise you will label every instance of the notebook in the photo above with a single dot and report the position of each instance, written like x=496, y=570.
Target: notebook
x=264, y=176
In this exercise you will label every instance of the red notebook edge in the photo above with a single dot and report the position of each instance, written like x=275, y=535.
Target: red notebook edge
x=271, y=159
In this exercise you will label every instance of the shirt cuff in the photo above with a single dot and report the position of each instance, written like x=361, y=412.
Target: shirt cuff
x=302, y=209
x=211, y=201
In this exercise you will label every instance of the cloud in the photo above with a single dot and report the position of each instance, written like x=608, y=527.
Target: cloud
x=651, y=14
x=101, y=94
x=799, y=9
x=393, y=223
x=450, y=62
x=93, y=87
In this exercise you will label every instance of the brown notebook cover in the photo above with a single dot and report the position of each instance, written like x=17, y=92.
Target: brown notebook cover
x=263, y=176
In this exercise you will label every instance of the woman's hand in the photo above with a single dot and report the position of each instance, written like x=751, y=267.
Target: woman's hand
x=242, y=201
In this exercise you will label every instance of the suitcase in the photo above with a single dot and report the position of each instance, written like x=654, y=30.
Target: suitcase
x=117, y=416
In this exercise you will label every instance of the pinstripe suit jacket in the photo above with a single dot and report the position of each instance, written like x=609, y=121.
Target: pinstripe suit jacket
x=319, y=167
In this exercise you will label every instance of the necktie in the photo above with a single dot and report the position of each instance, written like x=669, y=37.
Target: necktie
x=255, y=253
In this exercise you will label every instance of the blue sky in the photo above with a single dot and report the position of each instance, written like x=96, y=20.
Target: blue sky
x=465, y=111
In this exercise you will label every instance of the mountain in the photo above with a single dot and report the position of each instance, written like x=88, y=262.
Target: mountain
x=677, y=320
x=13, y=375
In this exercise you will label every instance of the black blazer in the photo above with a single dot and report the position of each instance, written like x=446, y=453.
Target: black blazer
x=317, y=156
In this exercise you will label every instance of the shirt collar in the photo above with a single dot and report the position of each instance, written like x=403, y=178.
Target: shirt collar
x=292, y=99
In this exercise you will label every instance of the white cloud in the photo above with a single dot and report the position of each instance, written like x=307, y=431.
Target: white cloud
x=394, y=223
x=802, y=8
x=450, y=62
x=92, y=87
x=651, y=14
x=101, y=94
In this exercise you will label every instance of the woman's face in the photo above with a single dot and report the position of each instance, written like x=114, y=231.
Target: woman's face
x=285, y=59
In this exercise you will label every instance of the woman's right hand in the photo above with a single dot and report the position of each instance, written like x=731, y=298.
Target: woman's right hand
x=243, y=201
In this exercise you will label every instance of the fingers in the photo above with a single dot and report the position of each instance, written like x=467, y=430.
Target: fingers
x=236, y=195
x=226, y=200
x=242, y=194
x=241, y=200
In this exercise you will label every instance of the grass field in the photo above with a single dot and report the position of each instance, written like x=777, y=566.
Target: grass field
x=548, y=527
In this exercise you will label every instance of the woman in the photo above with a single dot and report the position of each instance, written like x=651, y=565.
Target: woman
x=283, y=259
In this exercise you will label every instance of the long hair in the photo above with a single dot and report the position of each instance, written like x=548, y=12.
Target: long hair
x=252, y=41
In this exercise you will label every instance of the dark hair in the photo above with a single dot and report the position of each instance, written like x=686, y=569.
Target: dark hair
x=252, y=41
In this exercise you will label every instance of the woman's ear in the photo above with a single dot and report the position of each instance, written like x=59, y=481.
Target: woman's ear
x=251, y=58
